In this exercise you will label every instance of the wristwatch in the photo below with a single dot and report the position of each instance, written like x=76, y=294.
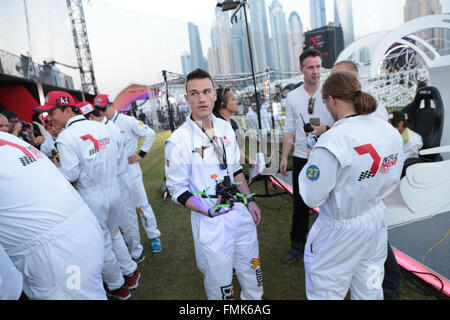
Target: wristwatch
x=250, y=199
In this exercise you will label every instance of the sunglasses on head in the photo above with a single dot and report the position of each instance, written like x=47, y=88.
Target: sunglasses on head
x=311, y=105
x=224, y=89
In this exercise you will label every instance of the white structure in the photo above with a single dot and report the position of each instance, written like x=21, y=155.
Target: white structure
x=438, y=66
x=424, y=191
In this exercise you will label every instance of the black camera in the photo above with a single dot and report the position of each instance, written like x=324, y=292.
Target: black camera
x=25, y=125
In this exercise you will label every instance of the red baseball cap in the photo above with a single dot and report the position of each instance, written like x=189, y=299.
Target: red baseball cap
x=56, y=99
x=102, y=101
x=46, y=122
x=85, y=107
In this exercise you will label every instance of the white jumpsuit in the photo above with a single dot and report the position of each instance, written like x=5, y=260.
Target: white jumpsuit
x=224, y=242
x=119, y=204
x=352, y=168
x=88, y=159
x=133, y=184
x=46, y=228
x=10, y=278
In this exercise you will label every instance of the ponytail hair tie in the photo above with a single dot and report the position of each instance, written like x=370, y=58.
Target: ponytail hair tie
x=357, y=93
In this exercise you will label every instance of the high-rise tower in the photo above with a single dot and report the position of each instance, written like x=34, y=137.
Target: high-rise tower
x=295, y=38
x=318, y=13
x=343, y=16
x=280, y=48
x=197, y=58
x=260, y=31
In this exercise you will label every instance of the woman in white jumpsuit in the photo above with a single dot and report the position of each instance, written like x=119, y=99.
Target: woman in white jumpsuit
x=351, y=169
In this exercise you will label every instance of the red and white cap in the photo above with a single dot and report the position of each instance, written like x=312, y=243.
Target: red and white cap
x=102, y=101
x=85, y=107
x=56, y=99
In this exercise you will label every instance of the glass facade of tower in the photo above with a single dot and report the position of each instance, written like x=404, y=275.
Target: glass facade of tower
x=261, y=41
x=278, y=28
x=197, y=58
x=343, y=16
x=295, y=39
x=318, y=13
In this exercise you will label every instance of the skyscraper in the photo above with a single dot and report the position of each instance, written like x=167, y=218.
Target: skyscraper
x=240, y=60
x=197, y=58
x=278, y=28
x=343, y=16
x=213, y=61
x=260, y=41
x=318, y=13
x=222, y=28
x=295, y=38
x=186, y=63
x=419, y=8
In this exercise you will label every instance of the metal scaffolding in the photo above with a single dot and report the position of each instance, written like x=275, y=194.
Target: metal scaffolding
x=83, y=51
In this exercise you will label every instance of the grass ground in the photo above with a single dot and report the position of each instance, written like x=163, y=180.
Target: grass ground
x=172, y=274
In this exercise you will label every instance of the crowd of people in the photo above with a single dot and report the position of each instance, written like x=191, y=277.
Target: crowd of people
x=84, y=217
x=77, y=235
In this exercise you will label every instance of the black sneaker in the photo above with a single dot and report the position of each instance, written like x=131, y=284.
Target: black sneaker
x=294, y=252
x=139, y=259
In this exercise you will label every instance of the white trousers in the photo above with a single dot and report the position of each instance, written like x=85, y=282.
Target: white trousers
x=346, y=254
x=65, y=263
x=140, y=201
x=102, y=200
x=119, y=247
x=223, y=243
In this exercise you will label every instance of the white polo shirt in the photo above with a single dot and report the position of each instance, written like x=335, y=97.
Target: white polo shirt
x=296, y=108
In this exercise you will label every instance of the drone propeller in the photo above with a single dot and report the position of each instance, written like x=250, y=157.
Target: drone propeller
x=244, y=197
x=204, y=194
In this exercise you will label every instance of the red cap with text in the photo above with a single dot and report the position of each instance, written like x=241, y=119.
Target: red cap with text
x=85, y=107
x=102, y=101
x=56, y=99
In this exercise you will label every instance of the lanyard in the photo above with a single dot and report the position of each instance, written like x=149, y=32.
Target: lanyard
x=220, y=152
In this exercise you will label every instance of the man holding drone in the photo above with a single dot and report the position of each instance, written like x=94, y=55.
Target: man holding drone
x=203, y=174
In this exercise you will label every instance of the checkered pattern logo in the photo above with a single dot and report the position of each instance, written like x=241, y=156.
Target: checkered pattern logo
x=26, y=160
x=365, y=175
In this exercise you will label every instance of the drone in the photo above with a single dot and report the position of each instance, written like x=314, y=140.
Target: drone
x=225, y=195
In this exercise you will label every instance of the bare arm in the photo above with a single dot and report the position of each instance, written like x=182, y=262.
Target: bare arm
x=288, y=141
x=245, y=190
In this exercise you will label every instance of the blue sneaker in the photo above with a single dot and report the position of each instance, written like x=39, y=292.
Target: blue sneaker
x=156, y=245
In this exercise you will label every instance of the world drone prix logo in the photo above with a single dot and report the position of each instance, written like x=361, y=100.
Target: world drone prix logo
x=385, y=168
x=31, y=154
x=98, y=144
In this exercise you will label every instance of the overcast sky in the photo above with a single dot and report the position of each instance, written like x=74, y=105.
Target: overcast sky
x=135, y=44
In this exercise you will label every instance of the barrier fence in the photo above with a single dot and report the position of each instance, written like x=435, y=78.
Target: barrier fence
x=394, y=89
